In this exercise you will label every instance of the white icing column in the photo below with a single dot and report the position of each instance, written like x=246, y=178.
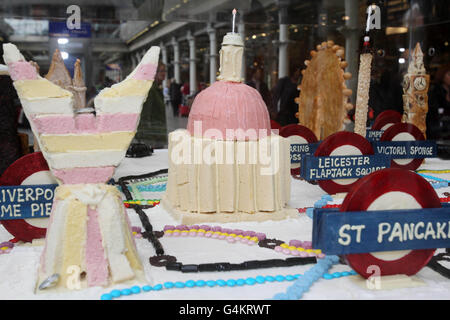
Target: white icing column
x=192, y=64
x=164, y=60
x=176, y=60
x=231, y=58
x=213, y=53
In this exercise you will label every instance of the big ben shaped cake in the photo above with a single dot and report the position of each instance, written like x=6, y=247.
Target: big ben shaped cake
x=415, y=91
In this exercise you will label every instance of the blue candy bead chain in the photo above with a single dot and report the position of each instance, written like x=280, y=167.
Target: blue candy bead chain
x=302, y=285
x=318, y=204
x=199, y=284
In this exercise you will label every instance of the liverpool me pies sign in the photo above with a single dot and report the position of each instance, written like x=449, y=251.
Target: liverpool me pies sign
x=26, y=193
x=27, y=201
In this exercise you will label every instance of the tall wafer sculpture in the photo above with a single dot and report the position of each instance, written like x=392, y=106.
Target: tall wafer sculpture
x=323, y=100
x=88, y=240
x=362, y=97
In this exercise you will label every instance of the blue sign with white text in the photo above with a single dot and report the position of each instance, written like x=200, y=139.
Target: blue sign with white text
x=341, y=167
x=341, y=233
x=418, y=149
x=59, y=29
x=374, y=135
x=26, y=201
x=299, y=150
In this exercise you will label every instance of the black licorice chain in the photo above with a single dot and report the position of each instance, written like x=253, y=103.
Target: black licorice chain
x=170, y=262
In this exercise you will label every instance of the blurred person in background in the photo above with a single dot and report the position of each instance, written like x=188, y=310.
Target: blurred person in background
x=257, y=82
x=175, y=96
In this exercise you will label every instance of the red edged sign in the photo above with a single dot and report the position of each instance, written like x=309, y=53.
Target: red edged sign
x=386, y=119
x=388, y=189
x=31, y=169
x=404, y=132
x=339, y=144
x=297, y=134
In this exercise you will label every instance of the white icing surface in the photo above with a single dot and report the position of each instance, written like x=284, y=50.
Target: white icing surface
x=18, y=269
x=90, y=194
x=47, y=105
x=391, y=201
x=346, y=150
x=85, y=159
x=11, y=53
x=151, y=56
x=403, y=136
x=114, y=238
x=234, y=39
x=129, y=104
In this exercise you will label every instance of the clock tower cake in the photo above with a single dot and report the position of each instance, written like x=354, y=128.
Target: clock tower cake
x=228, y=165
x=415, y=91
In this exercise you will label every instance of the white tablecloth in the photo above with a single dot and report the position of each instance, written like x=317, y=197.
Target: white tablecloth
x=18, y=269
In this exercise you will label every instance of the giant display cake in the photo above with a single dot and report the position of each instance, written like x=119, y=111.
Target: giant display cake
x=227, y=168
x=228, y=165
x=89, y=234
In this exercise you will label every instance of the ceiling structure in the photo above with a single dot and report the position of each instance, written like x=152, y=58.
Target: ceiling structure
x=118, y=27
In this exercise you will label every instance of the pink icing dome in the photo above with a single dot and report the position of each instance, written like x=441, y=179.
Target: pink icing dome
x=229, y=105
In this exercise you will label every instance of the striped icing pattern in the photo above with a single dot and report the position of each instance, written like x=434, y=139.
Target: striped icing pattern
x=86, y=142
x=85, y=123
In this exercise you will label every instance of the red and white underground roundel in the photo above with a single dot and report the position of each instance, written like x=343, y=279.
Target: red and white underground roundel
x=27, y=170
x=342, y=143
x=390, y=189
x=404, y=132
x=386, y=119
x=297, y=134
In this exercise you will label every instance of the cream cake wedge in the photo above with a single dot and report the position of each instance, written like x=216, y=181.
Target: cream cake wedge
x=71, y=140
x=88, y=240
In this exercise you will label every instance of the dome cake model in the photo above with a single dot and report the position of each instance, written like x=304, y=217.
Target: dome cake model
x=228, y=165
x=322, y=104
x=88, y=241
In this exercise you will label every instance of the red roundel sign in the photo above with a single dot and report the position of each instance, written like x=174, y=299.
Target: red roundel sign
x=342, y=143
x=297, y=134
x=404, y=132
x=388, y=189
x=386, y=119
x=30, y=169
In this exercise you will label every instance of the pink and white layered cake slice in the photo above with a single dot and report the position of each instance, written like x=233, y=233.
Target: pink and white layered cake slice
x=82, y=148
